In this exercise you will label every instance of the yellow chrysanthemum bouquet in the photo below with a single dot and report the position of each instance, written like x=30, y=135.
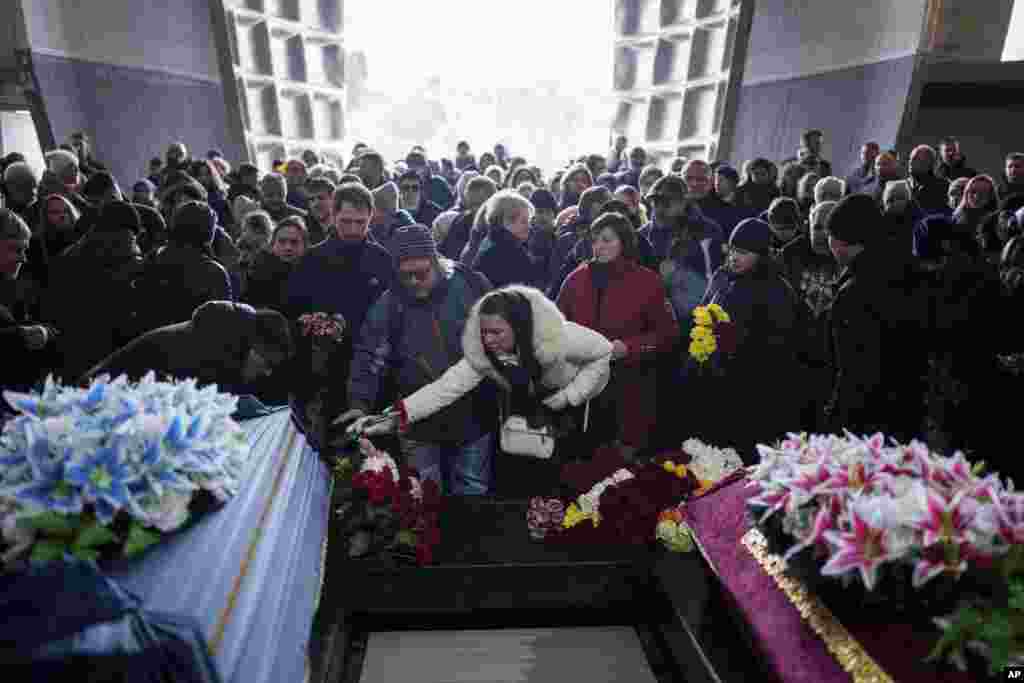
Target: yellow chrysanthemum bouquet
x=713, y=331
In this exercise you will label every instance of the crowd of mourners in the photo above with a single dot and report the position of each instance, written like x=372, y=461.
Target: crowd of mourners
x=481, y=286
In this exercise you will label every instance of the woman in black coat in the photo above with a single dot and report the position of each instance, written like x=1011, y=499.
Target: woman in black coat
x=268, y=274
x=754, y=399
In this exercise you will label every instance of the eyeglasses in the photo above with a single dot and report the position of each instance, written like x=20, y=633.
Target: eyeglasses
x=420, y=275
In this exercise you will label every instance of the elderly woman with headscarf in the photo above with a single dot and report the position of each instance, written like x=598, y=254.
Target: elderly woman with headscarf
x=56, y=232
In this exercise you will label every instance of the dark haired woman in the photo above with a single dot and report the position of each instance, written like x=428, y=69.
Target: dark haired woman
x=614, y=295
x=518, y=338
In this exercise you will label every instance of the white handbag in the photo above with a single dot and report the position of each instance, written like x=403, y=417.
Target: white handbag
x=519, y=438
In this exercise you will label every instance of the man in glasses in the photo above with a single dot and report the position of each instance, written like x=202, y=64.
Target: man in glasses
x=411, y=198
x=413, y=333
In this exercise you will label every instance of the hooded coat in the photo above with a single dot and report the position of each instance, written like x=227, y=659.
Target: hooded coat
x=504, y=260
x=625, y=301
x=574, y=361
x=181, y=277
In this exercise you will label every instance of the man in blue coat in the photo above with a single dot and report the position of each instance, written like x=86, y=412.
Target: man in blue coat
x=349, y=270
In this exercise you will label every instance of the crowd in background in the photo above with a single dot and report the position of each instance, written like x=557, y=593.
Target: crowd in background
x=870, y=302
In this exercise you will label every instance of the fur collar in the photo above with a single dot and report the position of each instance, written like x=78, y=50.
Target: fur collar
x=549, y=333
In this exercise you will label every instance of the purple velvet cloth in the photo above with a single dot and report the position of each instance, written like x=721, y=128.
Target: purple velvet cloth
x=788, y=645
x=790, y=648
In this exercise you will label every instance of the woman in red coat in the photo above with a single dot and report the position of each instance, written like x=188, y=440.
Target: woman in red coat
x=625, y=302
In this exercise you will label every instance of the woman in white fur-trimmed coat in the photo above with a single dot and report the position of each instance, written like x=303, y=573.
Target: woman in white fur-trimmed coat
x=564, y=365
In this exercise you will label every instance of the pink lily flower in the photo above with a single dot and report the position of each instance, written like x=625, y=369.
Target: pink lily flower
x=945, y=521
x=947, y=558
x=856, y=477
x=1010, y=513
x=864, y=548
x=824, y=520
x=774, y=499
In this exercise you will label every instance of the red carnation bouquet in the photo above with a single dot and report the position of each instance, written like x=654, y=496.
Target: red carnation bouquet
x=323, y=327
x=385, y=508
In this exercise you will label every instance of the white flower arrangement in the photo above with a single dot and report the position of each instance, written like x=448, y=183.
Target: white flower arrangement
x=589, y=502
x=709, y=464
x=75, y=460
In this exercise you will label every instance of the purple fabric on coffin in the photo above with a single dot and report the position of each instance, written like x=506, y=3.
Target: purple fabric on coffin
x=790, y=648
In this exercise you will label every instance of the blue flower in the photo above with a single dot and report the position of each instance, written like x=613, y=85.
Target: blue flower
x=94, y=399
x=51, y=490
x=103, y=478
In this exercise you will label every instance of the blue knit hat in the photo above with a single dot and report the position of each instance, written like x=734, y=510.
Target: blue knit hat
x=753, y=235
x=413, y=241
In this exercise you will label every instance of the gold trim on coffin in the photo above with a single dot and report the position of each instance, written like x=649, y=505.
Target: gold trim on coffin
x=841, y=645
x=250, y=554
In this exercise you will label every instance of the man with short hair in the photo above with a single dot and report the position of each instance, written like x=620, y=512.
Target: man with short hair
x=346, y=273
x=177, y=159
x=478, y=190
x=20, y=189
x=88, y=165
x=1013, y=177
x=809, y=153
x=953, y=164
x=274, y=189
x=321, y=209
x=387, y=217
x=615, y=156
x=371, y=169
x=413, y=333
x=927, y=190
x=463, y=156
x=637, y=161
x=863, y=174
x=501, y=155
x=887, y=168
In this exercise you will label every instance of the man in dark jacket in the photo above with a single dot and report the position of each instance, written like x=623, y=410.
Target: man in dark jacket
x=478, y=190
x=927, y=190
x=757, y=190
x=414, y=331
x=319, y=220
x=1013, y=178
x=387, y=217
x=953, y=164
x=876, y=325
x=20, y=190
x=864, y=174
x=346, y=273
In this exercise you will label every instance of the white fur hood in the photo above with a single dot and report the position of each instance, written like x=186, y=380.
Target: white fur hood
x=550, y=332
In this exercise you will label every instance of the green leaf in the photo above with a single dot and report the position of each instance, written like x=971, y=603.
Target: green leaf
x=86, y=554
x=93, y=535
x=52, y=524
x=139, y=538
x=48, y=551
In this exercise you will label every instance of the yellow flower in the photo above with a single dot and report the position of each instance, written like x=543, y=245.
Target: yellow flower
x=573, y=516
x=702, y=317
x=699, y=352
x=680, y=470
x=701, y=333
x=719, y=313
x=669, y=466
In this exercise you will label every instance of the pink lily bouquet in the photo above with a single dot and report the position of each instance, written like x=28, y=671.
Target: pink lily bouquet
x=864, y=503
x=917, y=531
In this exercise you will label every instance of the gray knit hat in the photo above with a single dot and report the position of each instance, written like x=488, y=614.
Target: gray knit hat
x=413, y=241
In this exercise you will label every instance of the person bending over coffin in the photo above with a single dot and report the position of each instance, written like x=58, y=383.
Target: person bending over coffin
x=232, y=345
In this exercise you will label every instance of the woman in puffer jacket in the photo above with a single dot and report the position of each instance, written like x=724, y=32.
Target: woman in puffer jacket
x=518, y=338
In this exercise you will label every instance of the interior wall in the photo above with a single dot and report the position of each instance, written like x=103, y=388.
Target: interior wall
x=797, y=38
x=135, y=77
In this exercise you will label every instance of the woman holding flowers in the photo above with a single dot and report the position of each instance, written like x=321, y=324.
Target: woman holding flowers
x=759, y=382
x=614, y=295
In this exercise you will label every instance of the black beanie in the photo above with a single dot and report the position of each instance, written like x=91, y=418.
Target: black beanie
x=98, y=184
x=193, y=224
x=119, y=216
x=753, y=235
x=543, y=199
x=854, y=219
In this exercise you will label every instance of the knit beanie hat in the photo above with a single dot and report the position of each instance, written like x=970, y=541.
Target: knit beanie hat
x=543, y=199
x=855, y=219
x=193, y=224
x=117, y=216
x=413, y=241
x=729, y=172
x=385, y=197
x=753, y=235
